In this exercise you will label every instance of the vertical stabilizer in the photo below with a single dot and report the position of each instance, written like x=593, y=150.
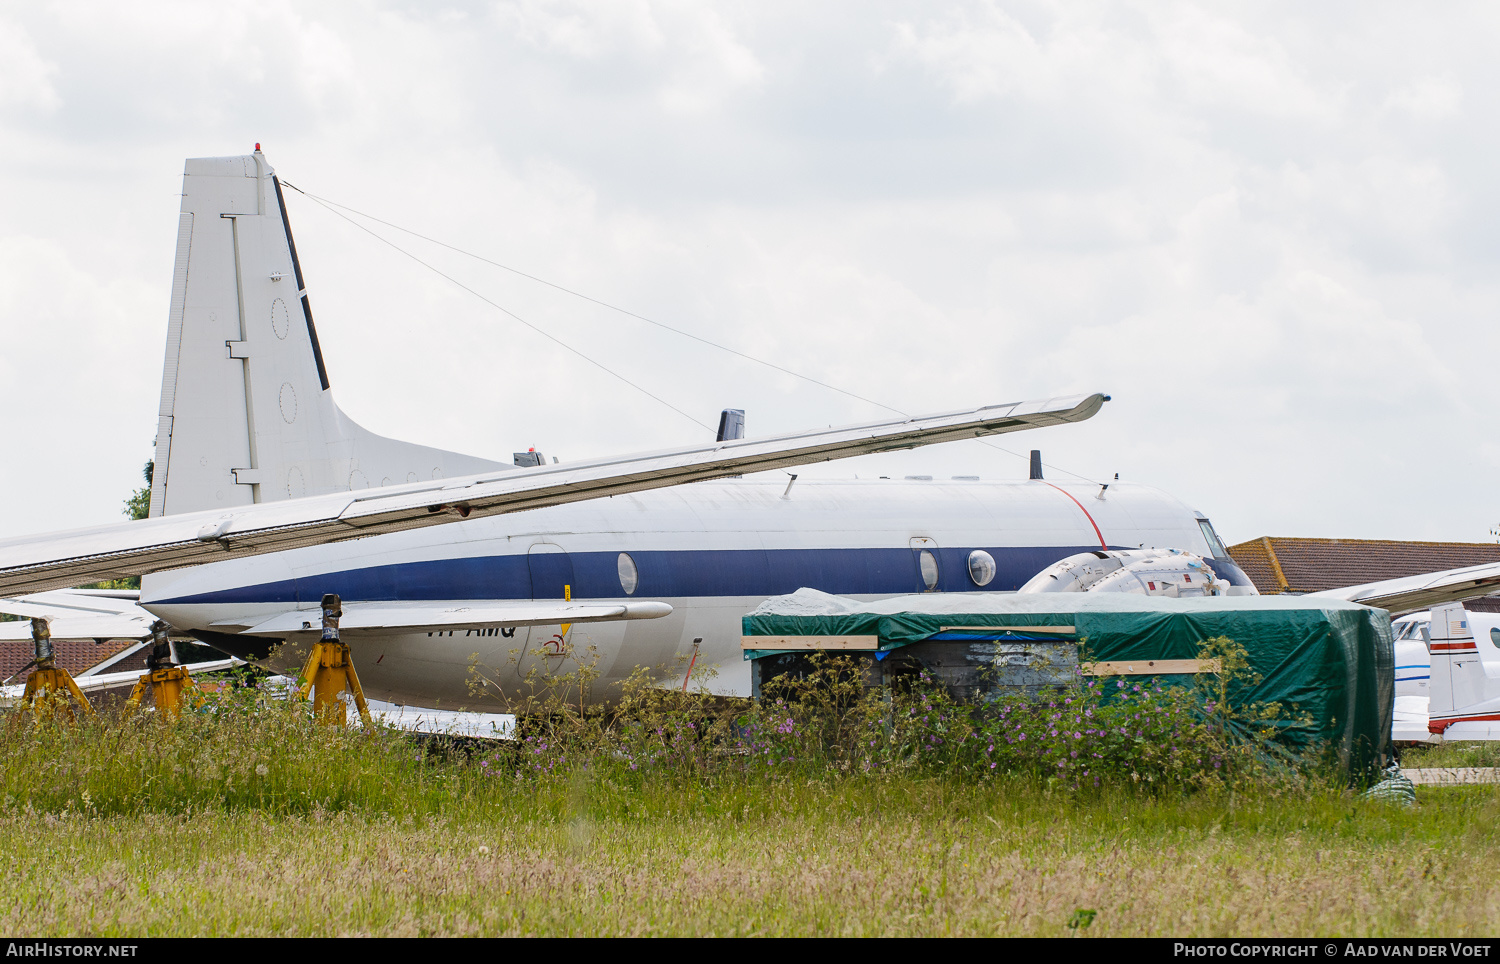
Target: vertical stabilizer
x=1464, y=703
x=246, y=411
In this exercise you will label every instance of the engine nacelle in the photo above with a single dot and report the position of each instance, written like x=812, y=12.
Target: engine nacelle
x=1145, y=572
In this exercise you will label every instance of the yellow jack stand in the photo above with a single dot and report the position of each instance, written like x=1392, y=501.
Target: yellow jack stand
x=166, y=681
x=49, y=685
x=330, y=668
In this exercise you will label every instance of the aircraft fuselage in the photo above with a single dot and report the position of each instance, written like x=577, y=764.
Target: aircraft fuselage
x=712, y=550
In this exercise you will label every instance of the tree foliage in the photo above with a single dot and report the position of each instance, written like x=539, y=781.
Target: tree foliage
x=138, y=505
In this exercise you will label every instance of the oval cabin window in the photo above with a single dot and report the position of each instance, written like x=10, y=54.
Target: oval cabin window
x=629, y=577
x=928, y=564
x=981, y=567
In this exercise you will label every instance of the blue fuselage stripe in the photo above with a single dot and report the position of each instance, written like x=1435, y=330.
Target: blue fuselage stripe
x=662, y=574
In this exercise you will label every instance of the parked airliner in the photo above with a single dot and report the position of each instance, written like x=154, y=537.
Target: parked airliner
x=595, y=561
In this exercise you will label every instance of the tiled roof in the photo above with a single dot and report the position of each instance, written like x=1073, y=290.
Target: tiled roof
x=73, y=655
x=1278, y=564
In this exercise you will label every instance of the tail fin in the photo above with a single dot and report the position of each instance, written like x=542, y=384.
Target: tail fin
x=246, y=411
x=1458, y=688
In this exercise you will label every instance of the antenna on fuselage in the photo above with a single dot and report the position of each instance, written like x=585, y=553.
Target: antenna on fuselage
x=1036, y=464
x=731, y=424
x=731, y=427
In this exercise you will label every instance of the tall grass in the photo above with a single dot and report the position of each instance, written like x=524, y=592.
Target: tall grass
x=1088, y=735
x=589, y=853
x=238, y=751
x=822, y=810
x=241, y=749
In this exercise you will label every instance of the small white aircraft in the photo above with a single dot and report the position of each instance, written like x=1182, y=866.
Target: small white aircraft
x=1415, y=692
x=266, y=497
x=1463, y=692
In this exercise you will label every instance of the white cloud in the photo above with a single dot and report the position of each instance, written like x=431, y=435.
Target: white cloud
x=1215, y=60
x=1264, y=229
x=25, y=75
x=1430, y=97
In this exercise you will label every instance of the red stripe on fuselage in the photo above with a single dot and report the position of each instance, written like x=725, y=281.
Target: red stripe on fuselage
x=1102, y=544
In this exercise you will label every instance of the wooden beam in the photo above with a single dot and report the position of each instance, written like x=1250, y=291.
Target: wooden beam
x=865, y=643
x=1068, y=630
x=1150, y=667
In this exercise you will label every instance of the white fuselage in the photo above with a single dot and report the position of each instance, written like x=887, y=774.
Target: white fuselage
x=1414, y=663
x=713, y=550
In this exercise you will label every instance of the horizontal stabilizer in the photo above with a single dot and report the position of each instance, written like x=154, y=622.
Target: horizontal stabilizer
x=84, y=627
x=441, y=616
x=415, y=719
x=55, y=560
x=79, y=614
x=1407, y=594
x=75, y=602
x=421, y=719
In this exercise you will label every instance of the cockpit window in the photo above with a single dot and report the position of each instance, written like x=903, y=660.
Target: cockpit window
x=1214, y=544
x=1406, y=629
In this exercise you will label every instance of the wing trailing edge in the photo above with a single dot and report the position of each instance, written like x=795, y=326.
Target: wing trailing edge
x=1407, y=594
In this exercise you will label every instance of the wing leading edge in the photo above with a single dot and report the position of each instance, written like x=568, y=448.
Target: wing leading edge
x=57, y=560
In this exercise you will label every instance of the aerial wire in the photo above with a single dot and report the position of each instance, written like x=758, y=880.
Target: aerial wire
x=603, y=304
x=337, y=209
x=501, y=308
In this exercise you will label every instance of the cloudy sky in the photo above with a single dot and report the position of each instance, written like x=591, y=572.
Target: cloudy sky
x=1269, y=231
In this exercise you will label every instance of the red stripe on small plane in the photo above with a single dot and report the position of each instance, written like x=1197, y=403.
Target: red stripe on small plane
x=1443, y=722
x=1102, y=544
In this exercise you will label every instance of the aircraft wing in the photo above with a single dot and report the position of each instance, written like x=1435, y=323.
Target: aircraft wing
x=440, y=616
x=61, y=559
x=1406, y=594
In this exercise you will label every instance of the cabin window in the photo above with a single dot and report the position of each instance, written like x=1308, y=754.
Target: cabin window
x=927, y=562
x=629, y=577
x=981, y=567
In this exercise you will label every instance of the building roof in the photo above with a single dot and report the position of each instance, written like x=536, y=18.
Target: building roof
x=73, y=655
x=1281, y=564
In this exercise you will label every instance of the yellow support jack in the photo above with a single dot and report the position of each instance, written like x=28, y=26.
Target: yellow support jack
x=330, y=668
x=49, y=685
x=164, y=678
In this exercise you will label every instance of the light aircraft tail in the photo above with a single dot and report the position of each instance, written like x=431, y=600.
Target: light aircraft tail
x=1464, y=702
x=246, y=412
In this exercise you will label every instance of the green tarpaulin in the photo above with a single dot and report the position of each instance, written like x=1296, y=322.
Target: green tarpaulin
x=1330, y=659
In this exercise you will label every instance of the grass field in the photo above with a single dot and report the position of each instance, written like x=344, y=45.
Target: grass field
x=857, y=856
x=251, y=819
